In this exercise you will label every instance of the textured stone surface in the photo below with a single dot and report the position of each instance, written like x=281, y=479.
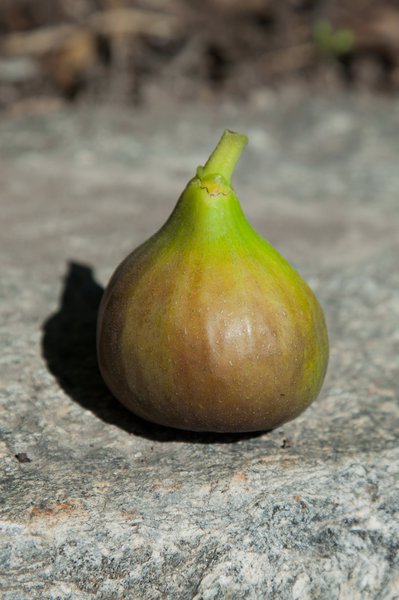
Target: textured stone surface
x=97, y=504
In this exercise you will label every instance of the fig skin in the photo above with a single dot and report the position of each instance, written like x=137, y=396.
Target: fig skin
x=205, y=326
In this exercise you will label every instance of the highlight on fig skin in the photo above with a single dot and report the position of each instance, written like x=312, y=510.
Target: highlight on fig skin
x=205, y=326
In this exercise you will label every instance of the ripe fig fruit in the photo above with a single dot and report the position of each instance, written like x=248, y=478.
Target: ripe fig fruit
x=205, y=326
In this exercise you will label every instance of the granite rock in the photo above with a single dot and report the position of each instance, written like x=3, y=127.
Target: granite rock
x=97, y=504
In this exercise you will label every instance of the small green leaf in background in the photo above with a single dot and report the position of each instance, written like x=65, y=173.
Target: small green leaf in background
x=332, y=42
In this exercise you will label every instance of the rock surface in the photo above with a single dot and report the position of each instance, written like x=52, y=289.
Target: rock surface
x=96, y=504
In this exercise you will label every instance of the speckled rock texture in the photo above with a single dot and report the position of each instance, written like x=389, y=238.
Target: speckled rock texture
x=96, y=504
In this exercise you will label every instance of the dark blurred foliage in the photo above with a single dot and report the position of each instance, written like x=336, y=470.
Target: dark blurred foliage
x=128, y=51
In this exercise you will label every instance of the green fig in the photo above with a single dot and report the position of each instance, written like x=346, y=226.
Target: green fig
x=205, y=326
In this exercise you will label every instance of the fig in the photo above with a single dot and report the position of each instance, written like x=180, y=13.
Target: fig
x=205, y=326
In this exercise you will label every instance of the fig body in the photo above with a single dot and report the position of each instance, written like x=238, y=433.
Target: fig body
x=205, y=326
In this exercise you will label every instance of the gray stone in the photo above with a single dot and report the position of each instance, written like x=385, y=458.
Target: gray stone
x=96, y=504
x=17, y=70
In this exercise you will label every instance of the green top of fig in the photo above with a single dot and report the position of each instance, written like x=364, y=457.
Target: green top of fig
x=221, y=164
x=208, y=207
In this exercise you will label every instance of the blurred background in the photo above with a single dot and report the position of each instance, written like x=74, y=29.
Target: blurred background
x=132, y=52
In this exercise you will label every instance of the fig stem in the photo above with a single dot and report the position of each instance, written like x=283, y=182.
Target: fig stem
x=224, y=158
